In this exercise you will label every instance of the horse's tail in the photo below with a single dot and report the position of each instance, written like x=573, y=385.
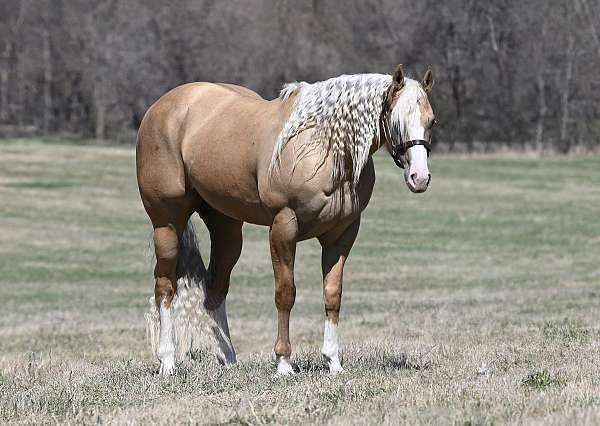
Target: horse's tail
x=194, y=329
x=191, y=271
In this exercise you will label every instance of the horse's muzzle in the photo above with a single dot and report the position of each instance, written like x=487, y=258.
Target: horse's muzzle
x=418, y=183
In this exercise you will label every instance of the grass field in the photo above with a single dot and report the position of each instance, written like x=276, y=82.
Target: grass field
x=477, y=302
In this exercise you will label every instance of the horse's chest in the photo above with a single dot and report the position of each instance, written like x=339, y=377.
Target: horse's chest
x=337, y=210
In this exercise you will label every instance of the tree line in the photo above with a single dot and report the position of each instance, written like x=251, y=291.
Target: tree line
x=521, y=74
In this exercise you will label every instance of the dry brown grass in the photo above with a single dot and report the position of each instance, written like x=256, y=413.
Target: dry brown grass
x=476, y=303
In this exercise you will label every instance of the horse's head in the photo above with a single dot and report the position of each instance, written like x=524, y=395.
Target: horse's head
x=407, y=123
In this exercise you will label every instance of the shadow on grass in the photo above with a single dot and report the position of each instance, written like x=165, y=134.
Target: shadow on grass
x=387, y=360
x=357, y=358
x=354, y=358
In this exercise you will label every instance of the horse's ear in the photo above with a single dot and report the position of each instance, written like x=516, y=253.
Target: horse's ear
x=397, y=84
x=428, y=81
x=399, y=77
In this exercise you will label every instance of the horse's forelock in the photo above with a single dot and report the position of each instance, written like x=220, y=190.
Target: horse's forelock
x=406, y=104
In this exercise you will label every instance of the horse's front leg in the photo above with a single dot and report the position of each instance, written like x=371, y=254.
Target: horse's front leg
x=282, y=236
x=336, y=247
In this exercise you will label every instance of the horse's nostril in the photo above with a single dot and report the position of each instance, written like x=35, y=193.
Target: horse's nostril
x=413, y=177
x=428, y=179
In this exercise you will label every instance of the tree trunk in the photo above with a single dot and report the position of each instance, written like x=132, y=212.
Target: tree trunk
x=564, y=123
x=454, y=76
x=20, y=104
x=583, y=9
x=99, y=112
x=4, y=70
x=47, y=56
x=539, y=132
x=541, y=89
x=19, y=69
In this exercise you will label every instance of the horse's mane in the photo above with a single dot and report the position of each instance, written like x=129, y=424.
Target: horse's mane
x=344, y=113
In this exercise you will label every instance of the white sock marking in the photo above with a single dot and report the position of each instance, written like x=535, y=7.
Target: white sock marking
x=330, y=349
x=417, y=158
x=284, y=367
x=166, y=347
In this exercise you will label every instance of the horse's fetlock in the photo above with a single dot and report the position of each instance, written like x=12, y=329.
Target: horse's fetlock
x=164, y=291
x=283, y=349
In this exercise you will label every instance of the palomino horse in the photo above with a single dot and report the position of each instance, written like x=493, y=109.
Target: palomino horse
x=300, y=164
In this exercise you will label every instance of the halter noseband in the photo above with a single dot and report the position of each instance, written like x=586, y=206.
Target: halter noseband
x=399, y=149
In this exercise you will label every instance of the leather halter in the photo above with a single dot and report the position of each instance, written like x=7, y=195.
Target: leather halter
x=399, y=149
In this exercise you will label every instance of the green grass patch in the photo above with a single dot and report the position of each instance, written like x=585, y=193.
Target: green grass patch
x=541, y=379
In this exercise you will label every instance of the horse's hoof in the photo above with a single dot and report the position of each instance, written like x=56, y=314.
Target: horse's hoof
x=284, y=368
x=167, y=368
x=227, y=362
x=333, y=364
x=335, y=369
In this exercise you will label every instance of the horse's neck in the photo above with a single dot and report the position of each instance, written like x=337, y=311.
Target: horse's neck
x=279, y=111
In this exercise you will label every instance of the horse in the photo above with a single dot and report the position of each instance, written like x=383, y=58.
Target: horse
x=300, y=164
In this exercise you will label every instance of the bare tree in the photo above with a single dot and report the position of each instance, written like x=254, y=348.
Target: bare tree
x=93, y=68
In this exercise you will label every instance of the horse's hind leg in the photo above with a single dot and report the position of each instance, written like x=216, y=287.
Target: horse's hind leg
x=169, y=223
x=226, y=246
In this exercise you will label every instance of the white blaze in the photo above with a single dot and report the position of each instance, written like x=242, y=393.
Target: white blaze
x=407, y=125
x=406, y=116
x=417, y=158
x=414, y=125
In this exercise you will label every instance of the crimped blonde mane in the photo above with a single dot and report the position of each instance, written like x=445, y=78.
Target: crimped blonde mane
x=344, y=113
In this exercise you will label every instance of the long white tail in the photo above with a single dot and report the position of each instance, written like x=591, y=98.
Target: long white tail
x=195, y=329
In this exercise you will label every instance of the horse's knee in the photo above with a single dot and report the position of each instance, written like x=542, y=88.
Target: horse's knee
x=332, y=294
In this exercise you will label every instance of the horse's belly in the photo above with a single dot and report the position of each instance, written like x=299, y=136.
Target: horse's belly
x=234, y=196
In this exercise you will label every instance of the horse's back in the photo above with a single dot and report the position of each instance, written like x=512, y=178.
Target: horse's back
x=241, y=90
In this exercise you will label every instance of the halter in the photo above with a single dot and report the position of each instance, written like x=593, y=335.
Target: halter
x=399, y=149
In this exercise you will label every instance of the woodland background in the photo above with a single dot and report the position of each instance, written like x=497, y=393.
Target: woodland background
x=522, y=74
